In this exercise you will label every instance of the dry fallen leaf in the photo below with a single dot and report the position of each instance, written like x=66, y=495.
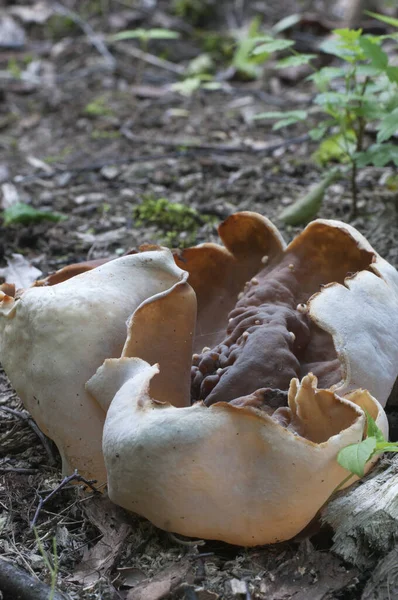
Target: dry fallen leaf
x=20, y=272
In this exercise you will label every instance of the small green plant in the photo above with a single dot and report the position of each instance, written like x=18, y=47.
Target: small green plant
x=97, y=108
x=355, y=456
x=361, y=91
x=197, y=12
x=144, y=36
x=180, y=223
x=24, y=214
x=51, y=563
x=13, y=67
x=246, y=61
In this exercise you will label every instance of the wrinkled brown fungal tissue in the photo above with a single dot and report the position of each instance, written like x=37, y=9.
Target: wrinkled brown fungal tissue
x=244, y=368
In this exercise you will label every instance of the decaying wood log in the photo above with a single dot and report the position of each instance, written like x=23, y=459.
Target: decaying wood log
x=383, y=584
x=365, y=517
x=16, y=584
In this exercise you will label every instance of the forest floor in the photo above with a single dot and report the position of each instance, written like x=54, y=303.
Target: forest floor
x=84, y=138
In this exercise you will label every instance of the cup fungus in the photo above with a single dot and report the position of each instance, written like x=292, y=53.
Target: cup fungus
x=224, y=444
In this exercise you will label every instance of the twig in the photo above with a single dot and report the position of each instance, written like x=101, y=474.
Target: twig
x=25, y=416
x=188, y=151
x=16, y=583
x=190, y=543
x=18, y=470
x=218, y=148
x=151, y=59
x=95, y=39
x=64, y=482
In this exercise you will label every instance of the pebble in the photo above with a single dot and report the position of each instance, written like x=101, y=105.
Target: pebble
x=110, y=172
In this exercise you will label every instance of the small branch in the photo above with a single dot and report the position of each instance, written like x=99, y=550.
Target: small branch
x=25, y=416
x=17, y=584
x=220, y=148
x=95, y=39
x=75, y=477
x=18, y=470
x=148, y=58
x=189, y=543
x=190, y=150
x=354, y=189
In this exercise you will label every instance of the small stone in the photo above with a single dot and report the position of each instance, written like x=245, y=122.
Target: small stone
x=110, y=172
x=94, y=197
x=12, y=35
x=238, y=587
x=189, y=181
x=10, y=195
x=4, y=173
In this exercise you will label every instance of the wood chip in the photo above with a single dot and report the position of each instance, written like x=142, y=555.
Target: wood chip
x=162, y=584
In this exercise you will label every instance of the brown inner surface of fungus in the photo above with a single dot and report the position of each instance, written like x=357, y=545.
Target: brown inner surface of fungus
x=269, y=337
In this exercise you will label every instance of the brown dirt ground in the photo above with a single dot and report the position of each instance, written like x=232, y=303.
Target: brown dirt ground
x=92, y=173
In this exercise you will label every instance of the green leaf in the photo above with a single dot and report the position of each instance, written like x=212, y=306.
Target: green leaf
x=21, y=213
x=320, y=130
x=293, y=116
x=272, y=46
x=295, y=61
x=373, y=430
x=355, y=456
x=344, y=45
x=378, y=155
x=337, y=147
x=374, y=53
x=324, y=76
x=144, y=34
x=392, y=74
x=306, y=208
x=384, y=18
x=286, y=23
x=387, y=126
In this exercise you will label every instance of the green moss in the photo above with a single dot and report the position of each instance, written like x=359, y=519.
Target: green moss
x=50, y=159
x=197, y=12
x=14, y=68
x=178, y=222
x=98, y=108
x=98, y=134
x=59, y=26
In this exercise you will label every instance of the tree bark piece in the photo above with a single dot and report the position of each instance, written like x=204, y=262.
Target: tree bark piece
x=365, y=517
x=16, y=584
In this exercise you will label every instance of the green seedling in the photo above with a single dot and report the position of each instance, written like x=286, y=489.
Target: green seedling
x=189, y=85
x=245, y=61
x=51, y=563
x=24, y=214
x=197, y=12
x=305, y=209
x=361, y=91
x=97, y=108
x=144, y=36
